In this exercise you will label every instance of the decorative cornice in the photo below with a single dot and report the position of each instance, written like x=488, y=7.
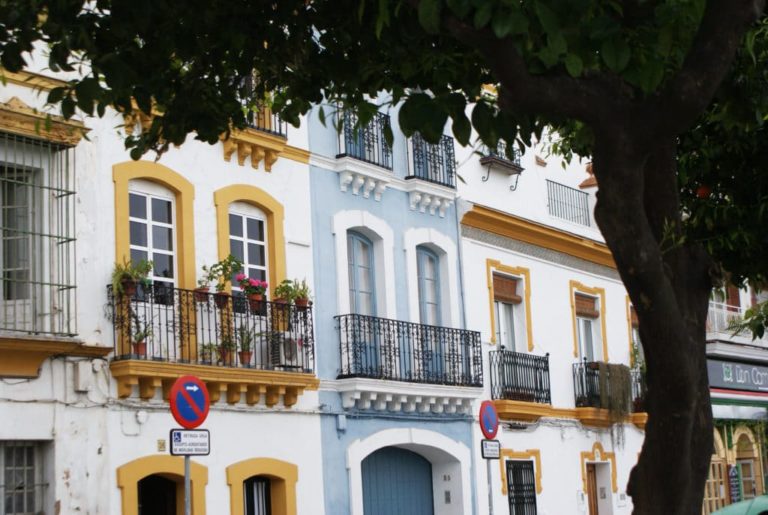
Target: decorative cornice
x=503, y=224
x=16, y=117
x=253, y=143
x=296, y=154
x=428, y=197
x=148, y=376
x=22, y=356
x=31, y=80
x=395, y=396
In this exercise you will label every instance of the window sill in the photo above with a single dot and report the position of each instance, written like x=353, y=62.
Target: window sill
x=232, y=382
x=22, y=356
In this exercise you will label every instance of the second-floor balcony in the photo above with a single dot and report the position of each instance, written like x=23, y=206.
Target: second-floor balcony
x=721, y=318
x=517, y=376
x=568, y=203
x=435, y=163
x=381, y=348
x=266, y=121
x=366, y=143
x=592, y=386
x=237, y=346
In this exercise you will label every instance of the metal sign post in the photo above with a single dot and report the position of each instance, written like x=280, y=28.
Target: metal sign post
x=189, y=406
x=491, y=449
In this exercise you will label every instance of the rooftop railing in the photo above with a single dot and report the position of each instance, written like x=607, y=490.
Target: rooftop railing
x=381, y=348
x=568, y=203
x=162, y=323
x=520, y=377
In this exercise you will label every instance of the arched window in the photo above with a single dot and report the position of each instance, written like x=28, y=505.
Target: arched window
x=428, y=271
x=256, y=495
x=158, y=495
x=362, y=284
x=248, y=239
x=151, y=212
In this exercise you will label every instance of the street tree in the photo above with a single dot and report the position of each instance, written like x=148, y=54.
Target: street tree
x=625, y=81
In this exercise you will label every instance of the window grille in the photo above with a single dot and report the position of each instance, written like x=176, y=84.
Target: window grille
x=521, y=488
x=568, y=203
x=257, y=496
x=37, y=236
x=21, y=485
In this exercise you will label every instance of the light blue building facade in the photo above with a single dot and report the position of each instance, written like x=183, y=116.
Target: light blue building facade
x=399, y=371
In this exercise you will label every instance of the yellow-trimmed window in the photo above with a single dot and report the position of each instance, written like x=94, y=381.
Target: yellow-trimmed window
x=509, y=297
x=589, y=329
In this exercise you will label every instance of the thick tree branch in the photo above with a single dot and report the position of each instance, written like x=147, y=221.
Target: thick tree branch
x=689, y=92
x=589, y=98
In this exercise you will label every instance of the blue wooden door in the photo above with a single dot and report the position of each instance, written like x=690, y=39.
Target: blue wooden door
x=397, y=482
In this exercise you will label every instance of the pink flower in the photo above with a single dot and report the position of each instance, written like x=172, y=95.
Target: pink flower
x=239, y=277
x=253, y=282
x=264, y=284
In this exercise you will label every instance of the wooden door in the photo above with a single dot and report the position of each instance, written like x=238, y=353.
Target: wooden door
x=592, y=489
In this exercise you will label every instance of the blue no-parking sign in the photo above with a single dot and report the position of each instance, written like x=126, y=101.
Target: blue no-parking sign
x=189, y=401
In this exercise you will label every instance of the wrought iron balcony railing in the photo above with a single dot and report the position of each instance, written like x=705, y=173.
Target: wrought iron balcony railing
x=434, y=163
x=500, y=153
x=266, y=121
x=568, y=203
x=163, y=323
x=586, y=385
x=381, y=348
x=366, y=143
x=520, y=377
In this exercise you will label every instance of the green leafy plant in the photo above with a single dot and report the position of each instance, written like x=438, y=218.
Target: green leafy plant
x=245, y=337
x=227, y=344
x=127, y=272
x=223, y=271
x=207, y=351
x=285, y=290
x=301, y=289
x=209, y=275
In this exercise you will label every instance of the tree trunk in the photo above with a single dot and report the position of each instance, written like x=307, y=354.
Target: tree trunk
x=668, y=281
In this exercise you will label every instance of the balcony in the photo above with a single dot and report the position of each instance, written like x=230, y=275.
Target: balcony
x=520, y=377
x=498, y=158
x=366, y=143
x=568, y=203
x=389, y=364
x=591, y=401
x=235, y=346
x=433, y=163
x=265, y=120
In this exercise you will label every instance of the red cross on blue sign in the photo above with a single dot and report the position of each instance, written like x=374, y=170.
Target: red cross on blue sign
x=189, y=401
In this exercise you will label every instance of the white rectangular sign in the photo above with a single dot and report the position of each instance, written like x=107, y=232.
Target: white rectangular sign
x=190, y=442
x=491, y=449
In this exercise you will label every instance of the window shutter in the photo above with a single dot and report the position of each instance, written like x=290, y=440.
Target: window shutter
x=732, y=296
x=586, y=306
x=505, y=289
x=633, y=317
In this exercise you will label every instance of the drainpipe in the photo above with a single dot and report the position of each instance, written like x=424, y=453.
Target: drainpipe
x=461, y=263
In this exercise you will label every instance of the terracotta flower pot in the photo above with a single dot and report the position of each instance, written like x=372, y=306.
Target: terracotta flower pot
x=221, y=299
x=255, y=301
x=225, y=355
x=245, y=357
x=140, y=348
x=301, y=303
x=201, y=294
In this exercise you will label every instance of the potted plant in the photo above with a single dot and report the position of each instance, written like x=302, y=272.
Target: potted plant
x=206, y=352
x=254, y=289
x=284, y=293
x=204, y=284
x=126, y=276
x=225, y=349
x=139, y=341
x=223, y=272
x=301, y=293
x=245, y=338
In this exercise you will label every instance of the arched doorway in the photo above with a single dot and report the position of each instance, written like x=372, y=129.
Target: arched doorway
x=158, y=495
x=746, y=459
x=397, y=481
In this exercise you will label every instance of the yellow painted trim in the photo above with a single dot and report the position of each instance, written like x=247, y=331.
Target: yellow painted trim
x=16, y=117
x=629, y=330
x=172, y=467
x=32, y=80
x=296, y=154
x=503, y=224
x=275, y=224
x=23, y=356
x=576, y=286
x=719, y=446
x=490, y=266
x=533, y=411
x=230, y=381
x=283, y=477
x=254, y=144
x=598, y=454
x=530, y=454
x=184, y=193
